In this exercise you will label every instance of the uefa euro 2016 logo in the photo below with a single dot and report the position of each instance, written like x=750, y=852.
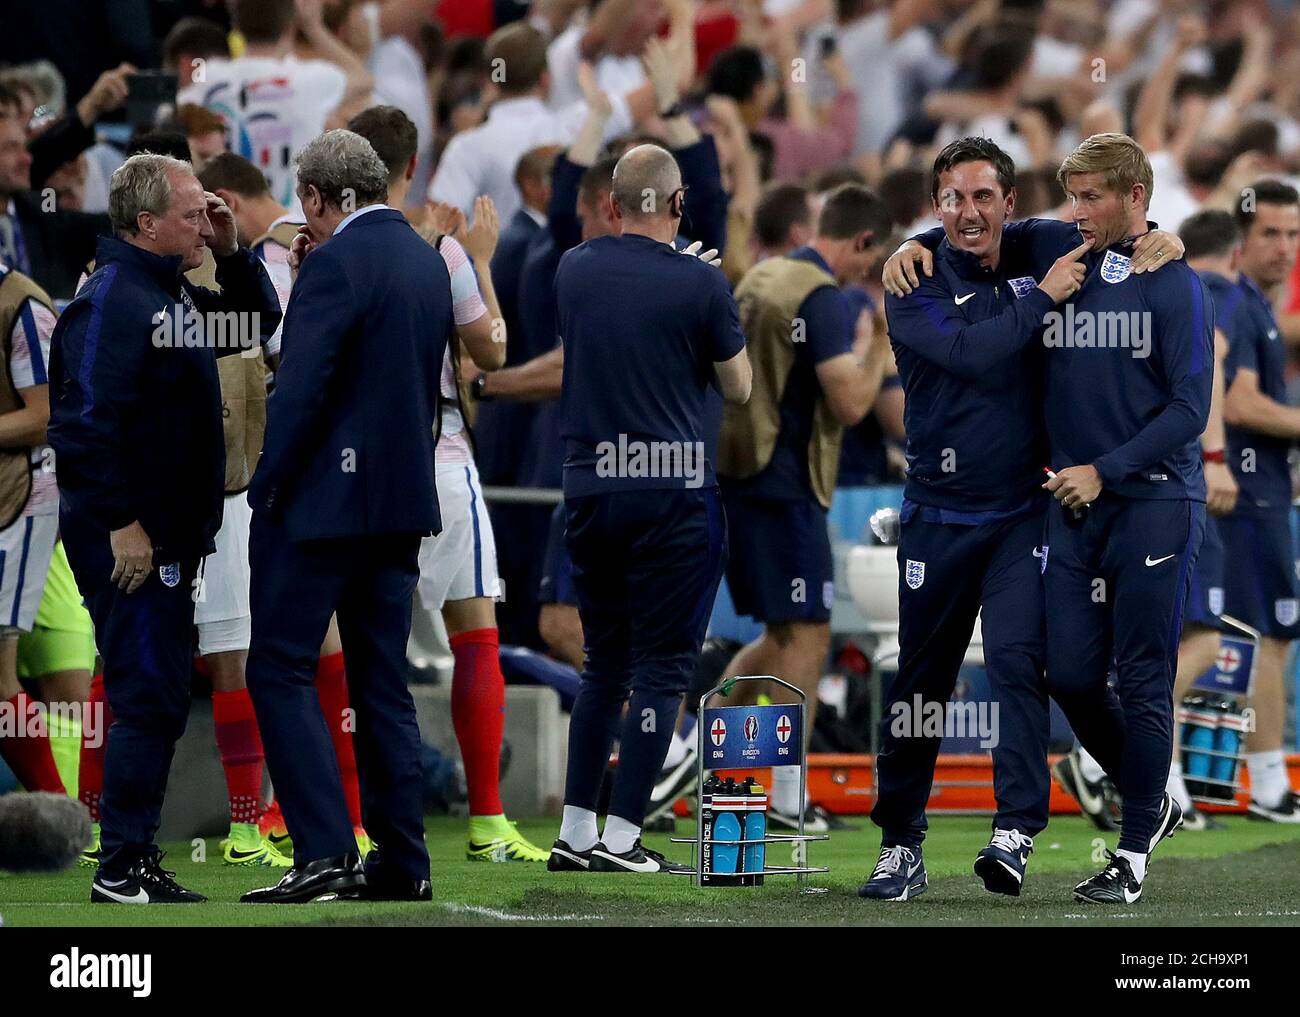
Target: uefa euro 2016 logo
x=751, y=728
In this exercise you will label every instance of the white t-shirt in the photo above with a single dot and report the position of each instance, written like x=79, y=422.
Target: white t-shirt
x=482, y=160
x=615, y=75
x=29, y=358
x=275, y=257
x=1171, y=201
x=466, y=306
x=271, y=108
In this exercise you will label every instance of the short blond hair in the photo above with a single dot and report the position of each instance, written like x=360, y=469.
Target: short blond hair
x=1117, y=157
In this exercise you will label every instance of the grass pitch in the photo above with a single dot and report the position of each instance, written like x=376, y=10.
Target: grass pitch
x=1246, y=874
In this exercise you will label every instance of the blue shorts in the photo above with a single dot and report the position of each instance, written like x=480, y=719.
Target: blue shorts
x=1205, y=600
x=1260, y=572
x=780, y=566
x=556, y=586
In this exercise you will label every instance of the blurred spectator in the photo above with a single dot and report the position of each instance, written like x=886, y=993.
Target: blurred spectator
x=203, y=129
x=482, y=160
x=888, y=55
x=271, y=102
x=801, y=146
x=400, y=79
x=50, y=244
x=190, y=44
x=784, y=219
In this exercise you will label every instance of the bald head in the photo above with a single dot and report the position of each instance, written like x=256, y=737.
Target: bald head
x=645, y=180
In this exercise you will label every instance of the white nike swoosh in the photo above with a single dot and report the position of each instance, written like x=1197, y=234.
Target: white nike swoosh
x=1158, y=560
x=961, y=300
x=139, y=897
x=649, y=865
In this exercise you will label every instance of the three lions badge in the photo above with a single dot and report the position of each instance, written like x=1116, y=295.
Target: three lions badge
x=1116, y=268
x=914, y=574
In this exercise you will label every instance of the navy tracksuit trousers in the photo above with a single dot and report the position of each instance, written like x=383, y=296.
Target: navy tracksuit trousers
x=1116, y=585
x=947, y=573
x=146, y=641
x=646, y=568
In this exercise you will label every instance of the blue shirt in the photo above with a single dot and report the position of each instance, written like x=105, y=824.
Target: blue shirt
x=1135, y=412
x=829, y=320
x=642, y=327
x=972, y=383
x=1246, y=317
x=1137, y=418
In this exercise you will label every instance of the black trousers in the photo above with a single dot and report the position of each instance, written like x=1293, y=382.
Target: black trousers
x=955, y=572
x=145, y=640
x=369, y=582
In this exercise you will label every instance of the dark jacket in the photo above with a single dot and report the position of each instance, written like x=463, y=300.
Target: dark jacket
x=350, y=426
x=135, y=424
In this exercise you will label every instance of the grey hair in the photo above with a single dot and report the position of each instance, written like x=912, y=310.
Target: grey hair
x=141, y=184
x=345, y=168
x=645, y=179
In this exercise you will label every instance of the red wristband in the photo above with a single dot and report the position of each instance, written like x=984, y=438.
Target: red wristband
x=1216, y=456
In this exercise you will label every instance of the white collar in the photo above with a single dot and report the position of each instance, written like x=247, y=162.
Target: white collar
x=359, y=212
x=533, y=214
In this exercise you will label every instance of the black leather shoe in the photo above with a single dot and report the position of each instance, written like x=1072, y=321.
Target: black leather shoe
x=304, y=883
x=400, y=888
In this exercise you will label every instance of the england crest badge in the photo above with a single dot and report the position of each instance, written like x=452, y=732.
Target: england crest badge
x=1022, y=286
x=1215, y=596
x=914, y=573
x=1286, y=610
x=170, y=574
x=1116, y=268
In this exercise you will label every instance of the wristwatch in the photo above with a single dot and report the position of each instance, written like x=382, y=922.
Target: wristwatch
x=476, y=389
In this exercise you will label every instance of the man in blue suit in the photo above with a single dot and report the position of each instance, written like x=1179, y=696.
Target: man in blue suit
x=341, y=498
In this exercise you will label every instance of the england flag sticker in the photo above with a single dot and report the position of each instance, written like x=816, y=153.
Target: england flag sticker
x=718, y=731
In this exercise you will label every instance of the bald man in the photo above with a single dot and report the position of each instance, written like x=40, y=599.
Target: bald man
x=646, y=333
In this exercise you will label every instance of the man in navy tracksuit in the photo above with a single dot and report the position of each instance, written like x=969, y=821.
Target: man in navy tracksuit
x=1260, y=580
x=135, y=421
x=1029, y=250
x=1129, y=370
x=646, y=332
x=971, y=520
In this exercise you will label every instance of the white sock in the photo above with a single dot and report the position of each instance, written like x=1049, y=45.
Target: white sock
x=1268, y=777
x=1177, y=787
x=578, y=828
x=677, y=749
x=1137, y=862
x=785, y=790
x=1089, y=767
x=619, y=835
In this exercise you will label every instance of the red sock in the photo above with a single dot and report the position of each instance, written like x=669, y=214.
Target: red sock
x=90, y=776
x=240, y=746
x=27, y=749
x=478, y=712
x=332, y=690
